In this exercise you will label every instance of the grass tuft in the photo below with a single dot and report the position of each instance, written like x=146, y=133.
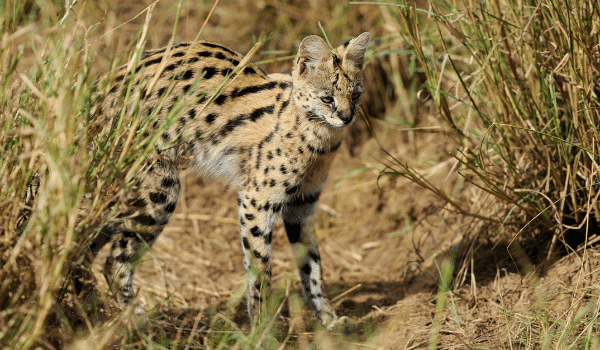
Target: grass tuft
x=515, y=84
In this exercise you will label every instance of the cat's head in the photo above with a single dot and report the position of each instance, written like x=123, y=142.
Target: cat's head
x=328, y=84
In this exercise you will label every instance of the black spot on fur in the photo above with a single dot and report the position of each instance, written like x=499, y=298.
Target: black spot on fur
x=258, y=156
x=220, y=99
x=204, y=54
x=259, y=112
x=145, y=219
x=158, y=197
x=267, y=237
x=314, y=256
x=246, y=243
x=217, y=46
x=123, y=242
x=257, y=254
x=171, y=67
x=187, y=75
x=285, y=85
x=254, y=89
x=269, y=137
x=192, y=113
x=336, y=60
x=148, y=64
x=190, y=148
x=169, y=182
x=293, y=231
x=139, y=202
x=249, y=217
x=240, y=120
x=232, y=124
x=161, y=163
x=220, y=56
x=291, y=189
x=256, y=232
x=226, y=72
x=169, y=208
x=249, y=70
x=147, y=54
x=209, y=72
x=211, y=118
x=304, y=199
x=306, y=268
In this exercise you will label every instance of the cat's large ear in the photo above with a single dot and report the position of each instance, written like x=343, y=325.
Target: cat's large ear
x=354, y=50
x=310, y=51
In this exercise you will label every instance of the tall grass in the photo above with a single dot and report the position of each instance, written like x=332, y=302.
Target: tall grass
x=44, y=132
x=516, y=84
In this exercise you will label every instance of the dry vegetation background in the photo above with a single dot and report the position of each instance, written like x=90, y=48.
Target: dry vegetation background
x=460, y=213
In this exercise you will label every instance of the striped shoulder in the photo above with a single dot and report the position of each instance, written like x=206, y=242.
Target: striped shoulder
x=219, y=56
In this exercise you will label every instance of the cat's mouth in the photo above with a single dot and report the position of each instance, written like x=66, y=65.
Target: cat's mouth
x=339, y=123
x=336, y=124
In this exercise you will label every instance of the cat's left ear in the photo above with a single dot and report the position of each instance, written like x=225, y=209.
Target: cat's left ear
x=354, y=50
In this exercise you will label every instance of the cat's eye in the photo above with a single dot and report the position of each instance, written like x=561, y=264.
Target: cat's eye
x=355, y=96
x=327, y=99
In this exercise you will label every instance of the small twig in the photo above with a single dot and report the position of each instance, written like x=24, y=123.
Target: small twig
x=346, y=293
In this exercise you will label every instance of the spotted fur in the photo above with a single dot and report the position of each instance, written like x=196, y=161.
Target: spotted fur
x=271, y=137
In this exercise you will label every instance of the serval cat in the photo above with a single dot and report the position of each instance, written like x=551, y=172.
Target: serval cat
x=271, y=137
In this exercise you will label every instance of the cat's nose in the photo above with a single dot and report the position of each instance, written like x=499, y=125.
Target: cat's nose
x=345, y=117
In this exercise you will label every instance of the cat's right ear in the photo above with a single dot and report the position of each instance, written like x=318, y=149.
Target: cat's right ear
x=354, y=54
x=311, y=49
